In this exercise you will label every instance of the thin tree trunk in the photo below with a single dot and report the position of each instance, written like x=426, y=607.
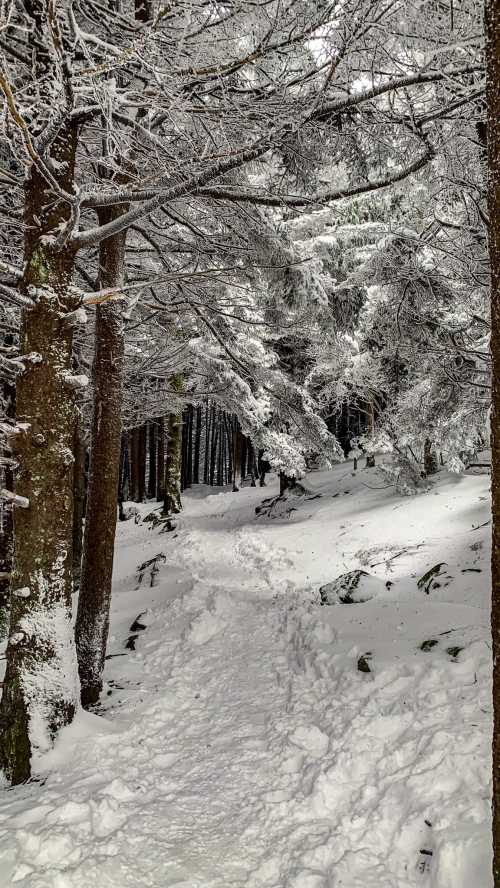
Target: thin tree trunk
x=160, y=458
x=206, y=464
x=183, y=450
x=189, y=464
x=92, y=621
x=220, y=460
x=213, y=445
x=80, y=452
x=492, y=8
x=124, y=475
x=237, y=452
x=134, y=465
x=152, y=444
x=252, y=461
x=197, y=447
x=244, y=456
x=40, y=690
x=141, y=464
x=172, y=503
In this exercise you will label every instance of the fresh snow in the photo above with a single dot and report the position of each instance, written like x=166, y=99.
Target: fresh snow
x=240, y=745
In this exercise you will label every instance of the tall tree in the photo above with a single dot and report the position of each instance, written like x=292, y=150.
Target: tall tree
x=492, y=9
x=92, y=620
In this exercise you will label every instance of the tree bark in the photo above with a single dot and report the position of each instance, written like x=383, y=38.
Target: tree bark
x=134, y=465
x=141, y=464
x=92, y=621
x=213, y=445
x=492, y=9
x=172, y=503
x=206, y=464
x=160, y=458
x=197, y=447
x=80, y=452
x=40, y=691
x=237, y=453
x=152, y=444
x=6, y=516
x=123, y=483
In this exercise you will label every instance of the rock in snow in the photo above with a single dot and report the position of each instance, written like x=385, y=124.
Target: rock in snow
x=353, y=587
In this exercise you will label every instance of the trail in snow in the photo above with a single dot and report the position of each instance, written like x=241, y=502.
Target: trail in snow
x=241, y=747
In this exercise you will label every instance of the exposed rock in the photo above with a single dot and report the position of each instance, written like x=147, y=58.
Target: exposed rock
x=363, y=664
x=428, y=644
x=354, y=587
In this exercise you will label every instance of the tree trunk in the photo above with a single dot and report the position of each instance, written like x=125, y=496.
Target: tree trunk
x=40, y=691
x=252, y=463
x=237, y=452
x=152, y=444
x=92, y=621
x=134, y=465
x=80, y=453
x=197, y=448
x=206, y=464
x=123, y=483
x=172, y=503
x=160, y=458
x=189, y=442
x=141, y=464
x=493, y=140
x=6, y=516
x=172, y=486
x=213, y=446
x=430, y=460
x=244, y=457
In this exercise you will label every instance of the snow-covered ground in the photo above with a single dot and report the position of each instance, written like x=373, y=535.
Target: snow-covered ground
x=241, y=745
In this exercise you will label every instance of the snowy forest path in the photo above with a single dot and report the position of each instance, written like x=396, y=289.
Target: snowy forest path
x=242, y=747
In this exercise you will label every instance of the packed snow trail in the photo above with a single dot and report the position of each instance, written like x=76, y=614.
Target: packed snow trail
x=241, y=747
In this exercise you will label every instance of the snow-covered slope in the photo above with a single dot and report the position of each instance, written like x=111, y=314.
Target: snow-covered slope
x=240, y=744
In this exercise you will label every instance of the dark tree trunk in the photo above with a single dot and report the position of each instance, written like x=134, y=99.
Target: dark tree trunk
x=141, y=463
x=228, y=449
x=252, y=463
x=237, y=453
x=134, y=465
x=160, y=458
x=92, y=621
x=6, y=541
x=41, y=642
x=244, y=455
x=213, y=446
x=123, y=482
x=206, y=464
x=141, y=466
x=6, y=517
x=220, y=460
x=430, y=459
x=184, y=451
x=197, y=448
x=80, y=452
x=152, y=444
x=492, y=8
x=189, y=461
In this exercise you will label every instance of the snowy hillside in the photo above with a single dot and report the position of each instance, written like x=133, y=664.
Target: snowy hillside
x=256, y=738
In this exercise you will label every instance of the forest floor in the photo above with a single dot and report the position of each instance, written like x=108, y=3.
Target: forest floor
x=239, y=745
